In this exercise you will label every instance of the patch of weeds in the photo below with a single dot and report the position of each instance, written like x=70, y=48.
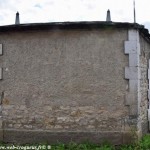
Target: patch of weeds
x=144, y=143
x=72, y=146
x=59, y=146
x=127, y=147
x=83, y=146
x=106, y=146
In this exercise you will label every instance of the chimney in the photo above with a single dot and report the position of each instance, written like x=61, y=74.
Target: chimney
x=108, y=17
x=17, y=18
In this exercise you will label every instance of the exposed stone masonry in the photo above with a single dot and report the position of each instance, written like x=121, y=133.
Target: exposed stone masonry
x=137, y=98
x=144, y=63
x=62, y=118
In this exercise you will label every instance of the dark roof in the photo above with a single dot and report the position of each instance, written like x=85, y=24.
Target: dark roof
x=76, y=25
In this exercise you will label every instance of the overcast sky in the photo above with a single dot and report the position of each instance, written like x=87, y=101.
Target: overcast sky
x=73, y=10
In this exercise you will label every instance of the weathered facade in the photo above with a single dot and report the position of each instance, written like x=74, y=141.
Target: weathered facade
x=74, y=81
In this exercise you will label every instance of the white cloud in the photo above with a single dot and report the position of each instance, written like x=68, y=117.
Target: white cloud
x=72, y=10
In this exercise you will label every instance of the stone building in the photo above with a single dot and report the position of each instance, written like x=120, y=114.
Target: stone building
x=74, y=81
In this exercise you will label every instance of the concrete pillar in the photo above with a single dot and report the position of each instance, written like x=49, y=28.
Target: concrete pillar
x=108, y=17
x=17, y=18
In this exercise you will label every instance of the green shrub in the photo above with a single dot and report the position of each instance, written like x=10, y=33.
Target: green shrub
x=144, y=144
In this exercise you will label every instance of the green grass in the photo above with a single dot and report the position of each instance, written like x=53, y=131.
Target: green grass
x=83, y=146
x=143, y=144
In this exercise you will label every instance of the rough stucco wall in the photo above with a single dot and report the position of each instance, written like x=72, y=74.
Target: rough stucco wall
x=144, y=58
x=64, y=80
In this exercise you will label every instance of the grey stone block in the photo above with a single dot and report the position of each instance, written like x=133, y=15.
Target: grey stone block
x=1, y=73
x=1, y=49
x=130, y=99
x=134, y=60
x=149, y=74
x=148, y=114
x=133, y=35
x=133, y=86
x=0, y=108
x=132, y=47
x=132, y=73
x=23, y=137
x=149, y=94
x=133, y=110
